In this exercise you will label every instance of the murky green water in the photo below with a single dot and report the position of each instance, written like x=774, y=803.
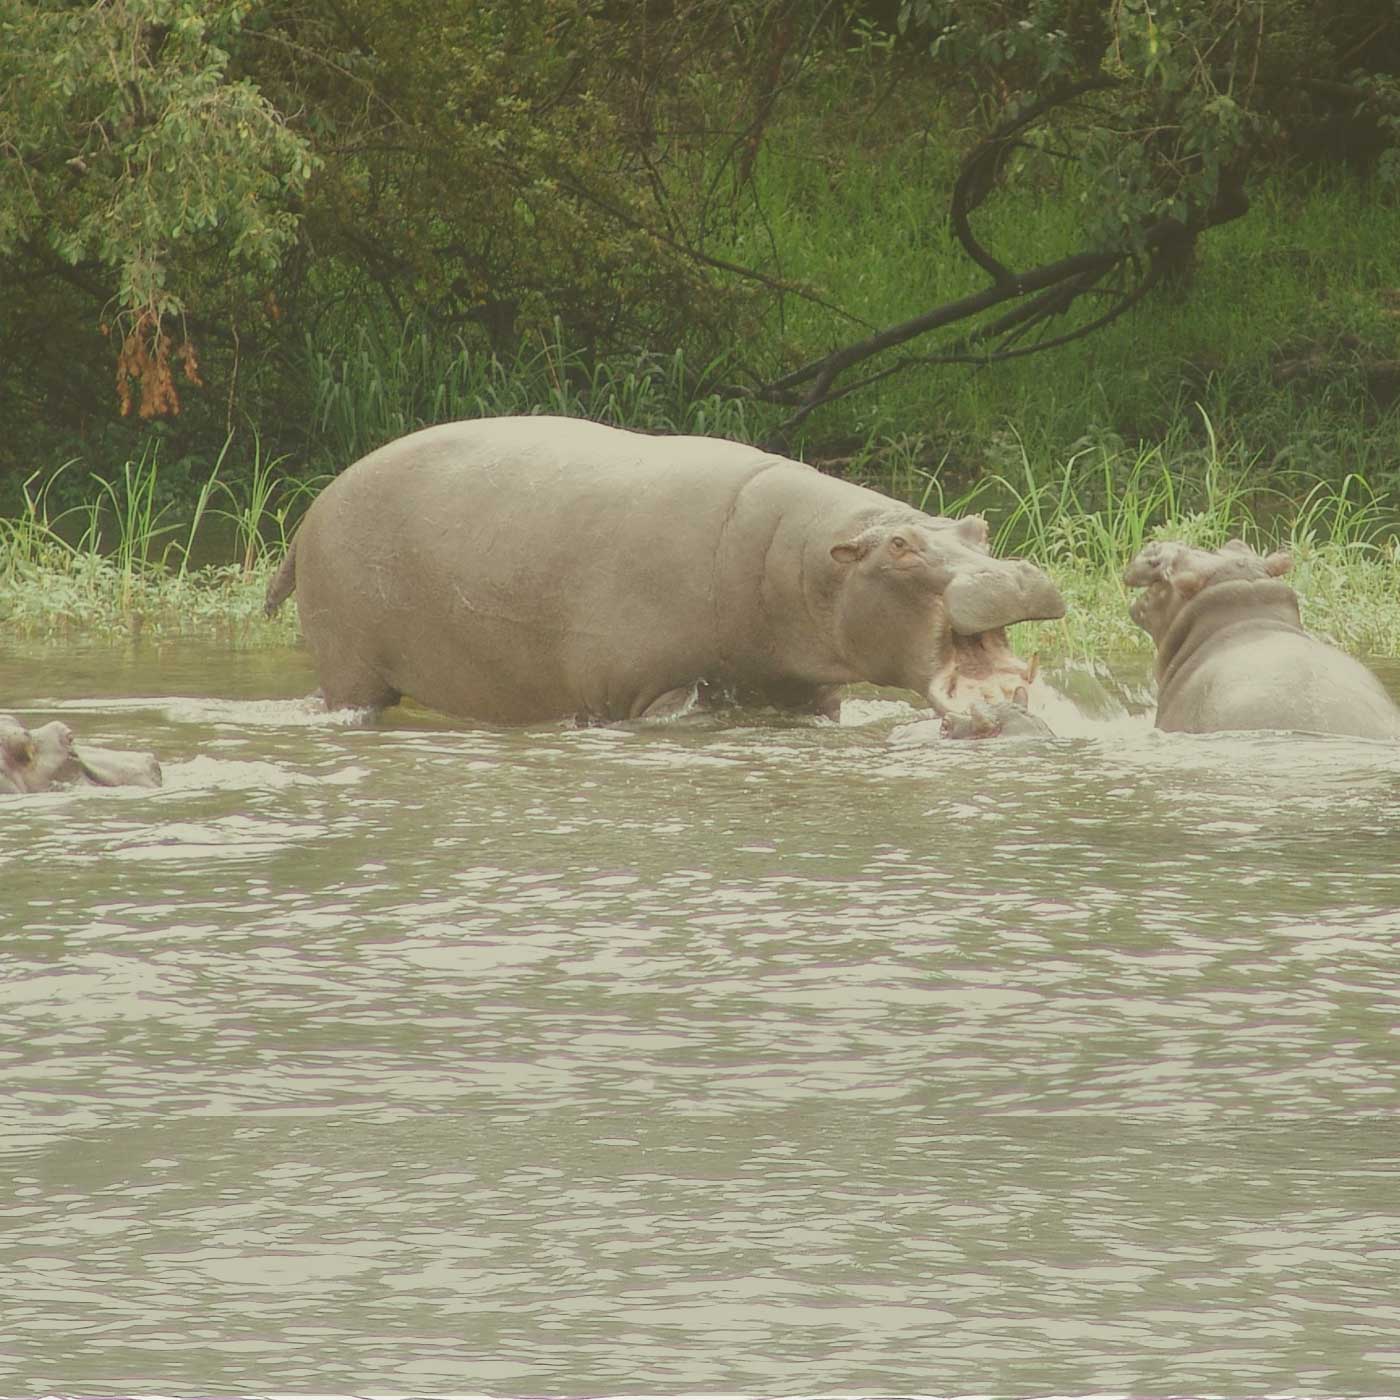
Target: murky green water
x=775, y=1057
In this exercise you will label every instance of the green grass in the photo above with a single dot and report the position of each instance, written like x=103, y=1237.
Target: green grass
x=392, y=380
x=1081, y=518
x=121, y=566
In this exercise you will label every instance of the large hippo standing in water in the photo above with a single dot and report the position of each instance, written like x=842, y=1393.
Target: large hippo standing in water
x=35, y=760
x=516, y=570
x=1232, y=652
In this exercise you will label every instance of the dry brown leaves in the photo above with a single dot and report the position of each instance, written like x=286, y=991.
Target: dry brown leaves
x=144, y=365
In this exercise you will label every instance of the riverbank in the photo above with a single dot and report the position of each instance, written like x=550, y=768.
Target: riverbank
x=136, y=573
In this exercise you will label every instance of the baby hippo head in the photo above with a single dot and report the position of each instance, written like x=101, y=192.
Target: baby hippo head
x=35, y=760
x=32, y=760
x=1172, y=574
x=922, y=604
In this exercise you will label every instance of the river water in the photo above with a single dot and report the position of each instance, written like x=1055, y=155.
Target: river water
x=739, y=1054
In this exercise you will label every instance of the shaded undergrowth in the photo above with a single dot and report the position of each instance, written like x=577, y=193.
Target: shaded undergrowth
x=389, y=380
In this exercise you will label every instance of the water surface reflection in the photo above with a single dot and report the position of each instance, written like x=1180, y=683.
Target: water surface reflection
x=719, y=1056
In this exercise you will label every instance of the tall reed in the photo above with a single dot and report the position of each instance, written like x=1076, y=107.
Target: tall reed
x=385, y=383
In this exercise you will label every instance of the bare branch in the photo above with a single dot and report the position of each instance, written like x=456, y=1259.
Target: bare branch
x=984, y=164
x=1042, y=294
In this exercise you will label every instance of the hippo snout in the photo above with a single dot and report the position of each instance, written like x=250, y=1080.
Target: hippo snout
x=998, y=594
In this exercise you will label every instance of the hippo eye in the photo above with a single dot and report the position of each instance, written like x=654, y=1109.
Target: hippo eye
x=899, y=542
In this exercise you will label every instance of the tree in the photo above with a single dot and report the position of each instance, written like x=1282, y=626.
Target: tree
x=212, y=181
x=1156, y=112
x=208, y=182
x=144, y=181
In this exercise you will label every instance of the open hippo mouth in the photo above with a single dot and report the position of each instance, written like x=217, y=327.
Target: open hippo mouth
x=977, y=665
x=981, y=669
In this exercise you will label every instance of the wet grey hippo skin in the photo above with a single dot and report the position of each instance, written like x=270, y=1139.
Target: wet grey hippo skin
x=1232, y=652
x=1010, y=719
x=516, y=570
x=35, y=760
x=1007, y=719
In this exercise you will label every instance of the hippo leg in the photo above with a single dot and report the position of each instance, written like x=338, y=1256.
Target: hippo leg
x=671, y=704
x=827, y=701
x=800, y=699
x=374, y=698
x=348, y=684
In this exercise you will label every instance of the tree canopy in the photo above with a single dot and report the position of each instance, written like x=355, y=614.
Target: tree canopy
x=189, y=187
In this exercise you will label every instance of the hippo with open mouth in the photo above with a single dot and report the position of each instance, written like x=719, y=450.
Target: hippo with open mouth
x=1232, y=652
x=521, y=570
x=35, y=760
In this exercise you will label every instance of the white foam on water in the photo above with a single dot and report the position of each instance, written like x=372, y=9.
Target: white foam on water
x=305, y=711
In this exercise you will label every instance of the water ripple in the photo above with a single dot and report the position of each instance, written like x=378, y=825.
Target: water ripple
x=405, y=1057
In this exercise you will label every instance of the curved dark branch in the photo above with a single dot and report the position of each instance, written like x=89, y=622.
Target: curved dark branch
x=1051, y=289
x=1034, y=281
x=1018, y=322
x=984, y=163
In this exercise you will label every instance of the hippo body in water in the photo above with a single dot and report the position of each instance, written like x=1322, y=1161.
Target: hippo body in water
x=1010, y=720
x=1232, y=652
x=520, y=570
x=35, y=760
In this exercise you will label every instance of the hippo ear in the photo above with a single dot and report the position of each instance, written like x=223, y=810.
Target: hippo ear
x=18, y=747
x=972, y=529
x=850, y=551
x=1278, y=564
x=1186, y=582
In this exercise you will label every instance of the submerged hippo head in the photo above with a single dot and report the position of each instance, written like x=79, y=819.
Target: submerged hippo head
x=1010, y=719
x=923, y=605
x=1172, y=574
x=35, y=760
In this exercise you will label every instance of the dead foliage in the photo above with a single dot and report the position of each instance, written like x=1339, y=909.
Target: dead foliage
x=144, y=368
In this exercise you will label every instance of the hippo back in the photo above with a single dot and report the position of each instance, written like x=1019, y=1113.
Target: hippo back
x=1266, y=678
x=575, y=567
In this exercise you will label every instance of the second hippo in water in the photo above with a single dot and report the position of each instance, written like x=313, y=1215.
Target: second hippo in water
x=1232, y=652
x=523, y=570
x=1011, y=719
x=35, y=760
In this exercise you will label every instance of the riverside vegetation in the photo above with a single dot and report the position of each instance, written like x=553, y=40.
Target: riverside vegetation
x=122, y=566
x=1046, y=449
x=1258, y=394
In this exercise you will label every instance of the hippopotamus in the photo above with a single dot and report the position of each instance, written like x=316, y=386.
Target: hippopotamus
x=35, y=760
x=530, y=569
x=1010, y=719
x=1232, y=652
